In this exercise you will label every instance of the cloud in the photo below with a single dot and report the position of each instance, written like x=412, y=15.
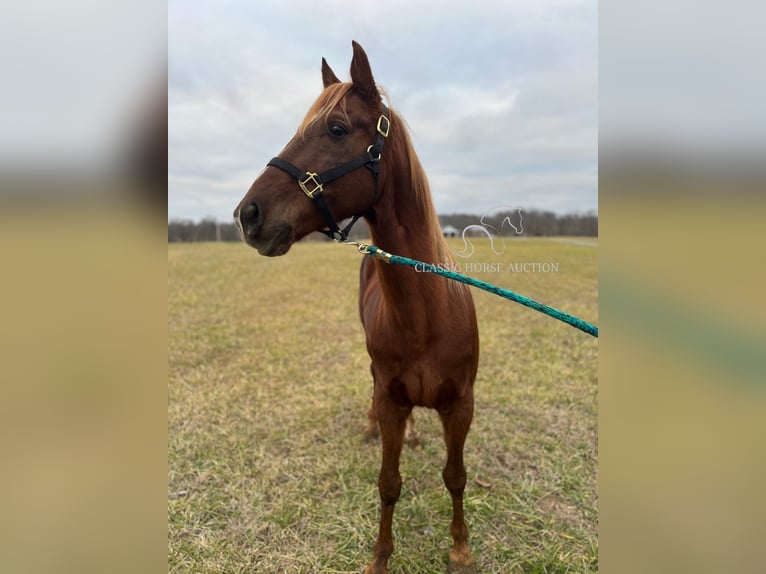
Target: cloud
x=498, y=95
x=559, y=190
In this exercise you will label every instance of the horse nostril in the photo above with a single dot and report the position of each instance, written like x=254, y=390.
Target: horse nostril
x=250, y=218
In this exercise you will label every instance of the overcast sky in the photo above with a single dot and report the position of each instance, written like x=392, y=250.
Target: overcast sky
x=500, y=96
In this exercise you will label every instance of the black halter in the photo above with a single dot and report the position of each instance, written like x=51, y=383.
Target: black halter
x=311, y=183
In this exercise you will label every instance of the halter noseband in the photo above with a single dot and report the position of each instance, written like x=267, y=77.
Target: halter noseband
x=312, y=183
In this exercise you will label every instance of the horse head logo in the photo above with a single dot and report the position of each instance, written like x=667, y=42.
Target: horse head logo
x=492, y=224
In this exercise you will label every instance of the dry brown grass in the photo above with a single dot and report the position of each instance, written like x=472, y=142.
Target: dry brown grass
x=269, y=390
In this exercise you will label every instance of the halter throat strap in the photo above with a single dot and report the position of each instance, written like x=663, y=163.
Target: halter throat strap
x=312, y=184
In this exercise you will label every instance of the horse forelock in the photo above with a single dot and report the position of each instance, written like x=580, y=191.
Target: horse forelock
x=333, y=96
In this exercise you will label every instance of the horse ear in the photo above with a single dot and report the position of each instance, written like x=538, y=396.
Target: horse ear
x=328, y=76
x=361, y=75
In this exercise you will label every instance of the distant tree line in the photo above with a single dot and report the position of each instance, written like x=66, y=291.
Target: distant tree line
x=188, y=231
x=533, y=223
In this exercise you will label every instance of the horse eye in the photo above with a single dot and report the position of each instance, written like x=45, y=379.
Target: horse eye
x=337, y=130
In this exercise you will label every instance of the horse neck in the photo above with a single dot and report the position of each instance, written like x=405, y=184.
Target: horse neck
x=404, y=221
x=401, y=226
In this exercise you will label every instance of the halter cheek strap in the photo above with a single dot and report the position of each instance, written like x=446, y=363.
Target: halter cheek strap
x=312, y=183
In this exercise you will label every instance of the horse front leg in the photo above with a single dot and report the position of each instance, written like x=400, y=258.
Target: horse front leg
x=456, y=423
x=392, y=419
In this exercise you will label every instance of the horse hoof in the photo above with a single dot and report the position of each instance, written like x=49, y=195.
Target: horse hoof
x=370, y=437
x=455, y=568
x=414, y=443
x=461, y=563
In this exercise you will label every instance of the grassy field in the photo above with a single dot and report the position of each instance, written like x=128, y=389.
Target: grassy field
x=269, y=389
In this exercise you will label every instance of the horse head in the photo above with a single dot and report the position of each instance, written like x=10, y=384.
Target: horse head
x=338, y=131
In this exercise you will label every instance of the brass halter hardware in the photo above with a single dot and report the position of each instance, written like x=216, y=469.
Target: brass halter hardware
x=311, y=178
x=384, y=124
x=312, y=183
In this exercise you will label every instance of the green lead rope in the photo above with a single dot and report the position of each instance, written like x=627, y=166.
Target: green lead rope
x=550, y=311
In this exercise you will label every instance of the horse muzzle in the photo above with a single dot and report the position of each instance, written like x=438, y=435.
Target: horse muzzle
x=267, y=240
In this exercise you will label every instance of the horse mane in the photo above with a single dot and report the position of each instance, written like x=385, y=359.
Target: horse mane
x=398, y=146
x=402, y=144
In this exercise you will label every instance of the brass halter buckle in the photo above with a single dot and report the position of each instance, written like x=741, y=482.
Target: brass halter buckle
x=384, y=124
x=311, y=178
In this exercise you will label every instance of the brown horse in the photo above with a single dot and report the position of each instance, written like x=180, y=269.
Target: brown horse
x=421, y=329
